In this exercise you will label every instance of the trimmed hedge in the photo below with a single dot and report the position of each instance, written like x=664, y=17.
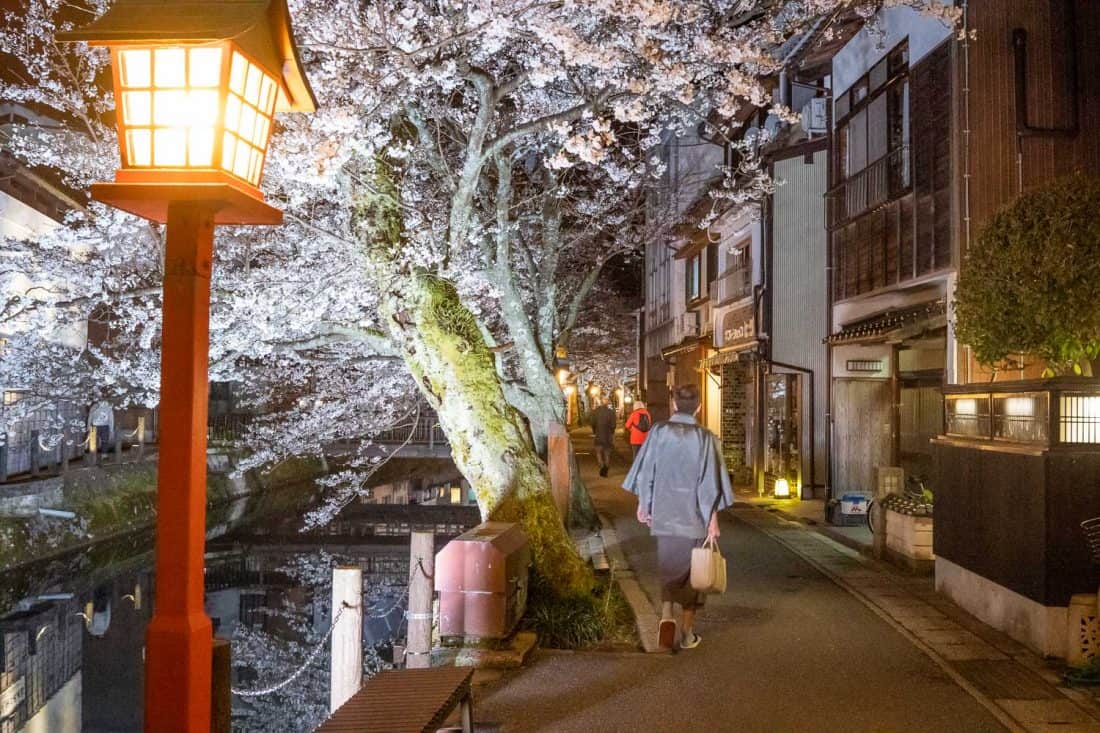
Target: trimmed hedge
x=1030, y=283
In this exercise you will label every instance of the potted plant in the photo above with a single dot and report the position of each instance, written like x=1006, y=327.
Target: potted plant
x=909, y=527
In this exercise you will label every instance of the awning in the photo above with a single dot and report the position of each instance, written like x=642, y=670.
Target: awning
x=894, y=325
x=730, y=356
x=688, y=344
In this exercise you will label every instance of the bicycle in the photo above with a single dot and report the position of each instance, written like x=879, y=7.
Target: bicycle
x=914, y=490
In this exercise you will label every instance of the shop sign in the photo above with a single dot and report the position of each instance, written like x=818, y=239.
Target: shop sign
x=737, y=326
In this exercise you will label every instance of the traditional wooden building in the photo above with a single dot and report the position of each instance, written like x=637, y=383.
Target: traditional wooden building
x=891, y=255
x=1018, y=461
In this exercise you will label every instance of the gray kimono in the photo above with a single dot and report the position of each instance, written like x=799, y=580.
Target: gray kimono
x=678, y=474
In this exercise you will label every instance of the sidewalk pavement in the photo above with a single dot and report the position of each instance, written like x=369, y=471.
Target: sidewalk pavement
x=810, y=636
x=810, y=512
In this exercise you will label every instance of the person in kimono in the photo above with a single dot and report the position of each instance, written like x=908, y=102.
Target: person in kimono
x=681, y=483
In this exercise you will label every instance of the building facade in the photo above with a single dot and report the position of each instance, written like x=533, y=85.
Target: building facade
x=891, y=258
x=1010, y=500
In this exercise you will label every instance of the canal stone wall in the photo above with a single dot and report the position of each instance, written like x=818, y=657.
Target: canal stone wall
x=110, y=500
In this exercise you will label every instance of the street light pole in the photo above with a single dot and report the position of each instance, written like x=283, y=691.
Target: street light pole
x=197, y=86
x=179, y=638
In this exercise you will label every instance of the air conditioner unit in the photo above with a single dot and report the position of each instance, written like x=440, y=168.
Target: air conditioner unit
x=771, y=126
x=813, y=116
x=689, y=324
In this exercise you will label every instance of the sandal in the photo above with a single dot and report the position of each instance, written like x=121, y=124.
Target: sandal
x=692, y=642
x=666, y=633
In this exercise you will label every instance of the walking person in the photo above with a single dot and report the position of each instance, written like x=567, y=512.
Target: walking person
x=681, y=483
x=603, y=422
x=637, y=426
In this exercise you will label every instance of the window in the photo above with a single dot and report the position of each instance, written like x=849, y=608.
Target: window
x=712, y=264
x=889, y=208
x=694, y=277
x=873, y=118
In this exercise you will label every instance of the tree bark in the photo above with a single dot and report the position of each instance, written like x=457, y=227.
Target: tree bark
x=447, y=355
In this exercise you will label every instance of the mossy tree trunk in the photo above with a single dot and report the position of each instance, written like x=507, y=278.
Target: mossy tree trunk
x=448, y=356
x=445, y=350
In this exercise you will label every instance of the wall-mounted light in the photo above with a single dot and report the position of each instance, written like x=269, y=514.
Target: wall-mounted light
x=1079, y=418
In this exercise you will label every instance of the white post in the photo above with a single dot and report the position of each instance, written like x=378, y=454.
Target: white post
x=141, y=437
x=418, y=649
x=347, y=635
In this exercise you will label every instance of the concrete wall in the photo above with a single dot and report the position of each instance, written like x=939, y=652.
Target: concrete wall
x=869, y=45
x=799, y=248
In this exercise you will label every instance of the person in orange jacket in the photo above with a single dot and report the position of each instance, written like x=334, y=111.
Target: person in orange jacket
x=638, y=424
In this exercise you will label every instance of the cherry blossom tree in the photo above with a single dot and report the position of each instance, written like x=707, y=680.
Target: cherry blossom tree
x=473, y=167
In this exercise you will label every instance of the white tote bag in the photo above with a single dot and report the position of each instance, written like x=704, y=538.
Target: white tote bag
x=708, y=568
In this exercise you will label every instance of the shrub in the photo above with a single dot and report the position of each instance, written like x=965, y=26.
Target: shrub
x=598, y=619
x=1028, y=285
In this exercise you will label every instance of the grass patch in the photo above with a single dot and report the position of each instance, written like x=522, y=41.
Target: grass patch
x=599, y=620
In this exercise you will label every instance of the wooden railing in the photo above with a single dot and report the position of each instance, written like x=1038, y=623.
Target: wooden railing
x=425, y=431
x=883, y=180
x=733, y=284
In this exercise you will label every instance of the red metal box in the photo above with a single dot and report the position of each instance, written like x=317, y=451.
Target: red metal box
x=481, y=577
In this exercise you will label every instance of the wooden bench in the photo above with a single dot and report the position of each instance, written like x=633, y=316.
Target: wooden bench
x=406, y=701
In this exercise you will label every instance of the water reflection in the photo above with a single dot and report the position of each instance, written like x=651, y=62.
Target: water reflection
x=71, y=647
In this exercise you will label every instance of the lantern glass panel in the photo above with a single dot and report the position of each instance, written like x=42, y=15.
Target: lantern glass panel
x=200, y=146
x=248, y=111
x=170, y=105
x=169, y=147
x=169, y=67
x=140, y=145
x=136, y=68
x=206, y=67
x=137, y=108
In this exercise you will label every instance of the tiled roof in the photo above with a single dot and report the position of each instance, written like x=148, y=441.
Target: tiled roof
x=880, y=327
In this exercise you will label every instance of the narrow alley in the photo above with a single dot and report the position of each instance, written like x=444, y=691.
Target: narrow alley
x=784, y=649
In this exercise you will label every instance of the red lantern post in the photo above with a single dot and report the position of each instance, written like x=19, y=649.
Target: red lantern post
x=196, y=86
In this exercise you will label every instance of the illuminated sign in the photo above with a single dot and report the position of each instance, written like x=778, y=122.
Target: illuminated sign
x=737, y=326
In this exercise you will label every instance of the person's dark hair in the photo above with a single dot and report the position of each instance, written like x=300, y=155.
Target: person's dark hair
x=687, y=398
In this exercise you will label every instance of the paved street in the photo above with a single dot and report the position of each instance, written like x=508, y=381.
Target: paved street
x=785, y=649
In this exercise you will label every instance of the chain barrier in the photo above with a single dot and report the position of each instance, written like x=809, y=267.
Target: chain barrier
x=298, y=672
x=369, y=613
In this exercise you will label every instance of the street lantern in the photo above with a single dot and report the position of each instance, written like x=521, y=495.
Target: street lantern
x=196, y=87
x=782, y=489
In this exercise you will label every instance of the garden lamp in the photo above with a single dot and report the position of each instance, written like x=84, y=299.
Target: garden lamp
x=196, y=87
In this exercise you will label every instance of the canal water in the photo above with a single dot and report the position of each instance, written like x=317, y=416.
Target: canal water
x=72, y=628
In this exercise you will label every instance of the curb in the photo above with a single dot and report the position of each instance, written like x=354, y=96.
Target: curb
x=645, y=618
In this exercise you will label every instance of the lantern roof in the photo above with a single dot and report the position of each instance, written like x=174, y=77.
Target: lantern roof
x=260, y=27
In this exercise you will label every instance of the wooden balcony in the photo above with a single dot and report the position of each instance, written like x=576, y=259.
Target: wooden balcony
x=733, y=285
x=882, y=181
